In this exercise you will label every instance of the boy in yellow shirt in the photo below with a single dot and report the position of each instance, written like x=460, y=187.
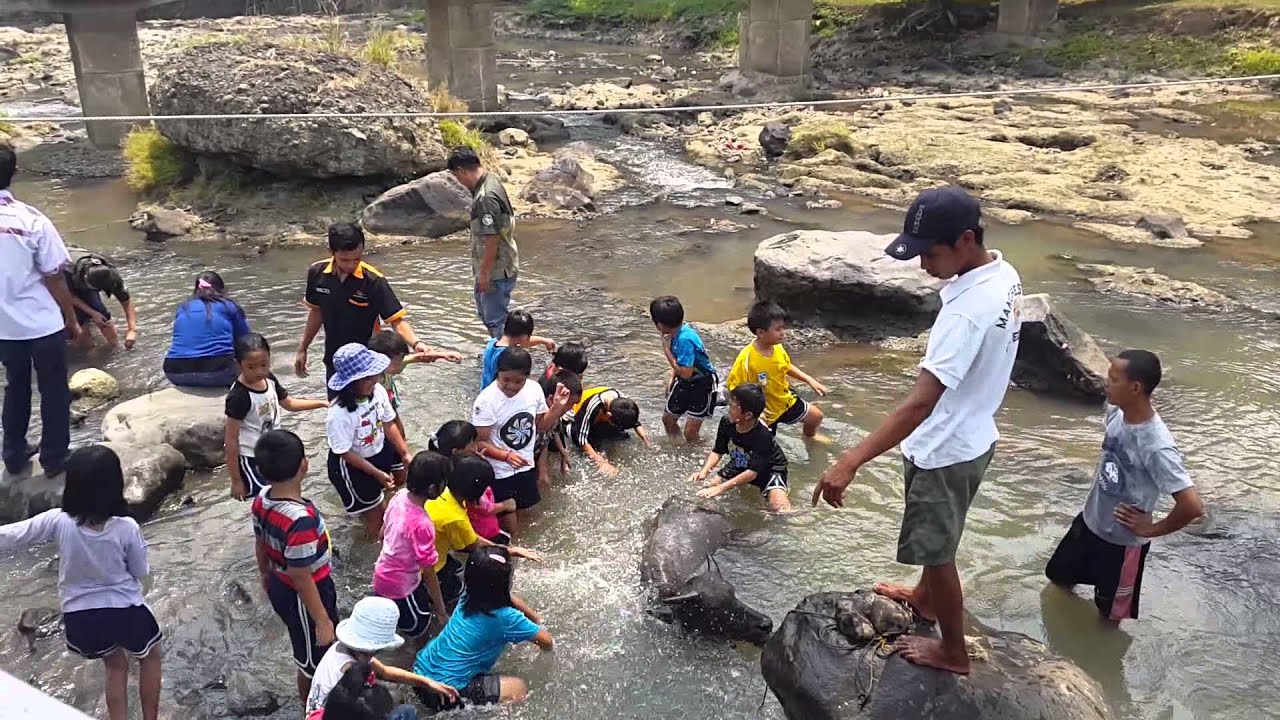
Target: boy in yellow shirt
x=766, y=363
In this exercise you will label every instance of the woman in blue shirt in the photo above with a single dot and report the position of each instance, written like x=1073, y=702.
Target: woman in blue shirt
x=487, y=618
x=205, y=329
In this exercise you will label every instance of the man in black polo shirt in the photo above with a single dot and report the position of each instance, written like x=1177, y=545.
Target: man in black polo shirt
x=494, y=257
x=348, y=297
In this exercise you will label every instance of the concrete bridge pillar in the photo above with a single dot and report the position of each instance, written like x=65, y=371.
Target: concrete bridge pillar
x=1026, y=17
x=461, y=52
x=773, y=38
x=108, y=63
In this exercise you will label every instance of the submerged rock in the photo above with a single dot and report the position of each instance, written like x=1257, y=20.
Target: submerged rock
x=818, y=672
x=844, y=280
x=1146, y=282
x=191, y=420
x=431, y=206
x=256, y=77
x=1055, y=357
x=39, y=623
x=161, y=223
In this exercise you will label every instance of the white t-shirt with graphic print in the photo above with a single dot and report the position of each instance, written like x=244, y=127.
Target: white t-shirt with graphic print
x=514, y=422
x=362, y=429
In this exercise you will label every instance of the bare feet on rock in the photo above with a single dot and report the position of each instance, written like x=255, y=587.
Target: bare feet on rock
x=929, y=652
x=909, y=595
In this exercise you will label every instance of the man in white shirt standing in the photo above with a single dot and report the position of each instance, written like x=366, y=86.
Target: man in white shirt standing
x=946, y=425
x=37, y=318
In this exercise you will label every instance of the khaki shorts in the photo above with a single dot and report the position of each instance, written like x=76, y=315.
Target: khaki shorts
x=937, y=502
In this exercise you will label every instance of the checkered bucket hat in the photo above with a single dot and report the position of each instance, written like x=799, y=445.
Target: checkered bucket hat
x=354, y=361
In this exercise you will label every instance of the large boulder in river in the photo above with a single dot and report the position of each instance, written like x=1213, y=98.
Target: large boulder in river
x=255, y=77
x=191, y=420
x=845, y=281
x=431, y=206
x=1055, y=357
x=151, y=472
x=565, y=185
x=821, y=667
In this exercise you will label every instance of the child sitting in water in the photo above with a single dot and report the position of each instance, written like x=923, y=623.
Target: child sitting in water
x=554, y=440
x=397, y=350
x=488, y=618
x=458, y=439
x=355, y=697
x=571, y=356
x=754, y=455
x=517, y=332
x=102, y=558
x=603, y=414
x=405, y=570
x=692, y=390
x=471, y=475
x=367, y=453
x=252, y=408
x=766, y=363
x=369, y=631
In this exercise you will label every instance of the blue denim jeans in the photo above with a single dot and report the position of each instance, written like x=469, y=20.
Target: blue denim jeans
x=49, y=357
x=404, y=712
x=492, y=306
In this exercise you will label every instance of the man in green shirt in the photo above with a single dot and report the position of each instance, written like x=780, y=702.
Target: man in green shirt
x=495, y=260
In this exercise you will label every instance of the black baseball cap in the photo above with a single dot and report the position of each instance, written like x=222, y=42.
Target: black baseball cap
x=937, y=215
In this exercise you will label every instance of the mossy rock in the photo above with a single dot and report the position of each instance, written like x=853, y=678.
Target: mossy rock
x=811, y=139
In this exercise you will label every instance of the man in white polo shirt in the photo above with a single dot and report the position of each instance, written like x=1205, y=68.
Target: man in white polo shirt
x=946, y=425
x=37, y=318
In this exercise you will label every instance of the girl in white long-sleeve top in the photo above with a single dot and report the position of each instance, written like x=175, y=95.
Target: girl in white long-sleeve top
x=102, y=560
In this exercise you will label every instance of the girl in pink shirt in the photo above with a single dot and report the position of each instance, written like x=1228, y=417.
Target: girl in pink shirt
x=455, y=439
x=405, y=571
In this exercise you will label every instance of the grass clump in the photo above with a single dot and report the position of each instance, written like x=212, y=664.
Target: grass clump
x=811, y=139
x=454, y=134
x=384, y=47
x=444, y=101
x=6, y=127
x=153, y=162
x=1255, y=61
x=1139, y=53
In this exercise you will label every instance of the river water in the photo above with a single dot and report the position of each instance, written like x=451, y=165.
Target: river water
x=1210, y=613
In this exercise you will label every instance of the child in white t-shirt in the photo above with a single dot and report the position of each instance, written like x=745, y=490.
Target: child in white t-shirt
x=509, y=415
x=367, y=452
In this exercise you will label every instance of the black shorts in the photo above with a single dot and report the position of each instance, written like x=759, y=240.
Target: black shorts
x=415, y=612
x=774, y=480
x=523, y=486
x=482, y=690
x=219, y=371
x=451, y=582
x=693, y=397
x=249, y=473
x=794, y=414
x=1114, y=571
x=302, y=628
x=360, y=491
x=93, y=299
x=96, y=633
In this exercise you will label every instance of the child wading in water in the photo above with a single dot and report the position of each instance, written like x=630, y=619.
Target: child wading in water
x=367, y=453
x=102, y=559
x=754, y=455
x=398, y=352
x=766, y=363
x=1107, y=544
x=252, y=408
x=458, y=439
x=488, y=618
x=692, y=390
x=405, y=571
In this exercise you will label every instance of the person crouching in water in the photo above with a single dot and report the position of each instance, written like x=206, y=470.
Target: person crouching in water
x=755, y=457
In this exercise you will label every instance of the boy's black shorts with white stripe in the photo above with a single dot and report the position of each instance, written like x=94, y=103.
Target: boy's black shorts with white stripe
x=693, y=396
x=302, y=627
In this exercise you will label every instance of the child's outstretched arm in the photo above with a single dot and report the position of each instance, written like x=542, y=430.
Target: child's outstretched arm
x=738, y=480
x=538, y=341
x=231, y=440
x=32, y=531
x=130, y=322
x=390, y=673
x=432, y=582
x=644, y=435
x=713, y=459
x=293, y=404
x=432, y=355
x=564, y=452
x=807, y=379
x=602, y=462
x=519, y=603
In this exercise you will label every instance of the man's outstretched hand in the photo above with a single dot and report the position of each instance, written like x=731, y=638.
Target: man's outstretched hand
x=833, y=484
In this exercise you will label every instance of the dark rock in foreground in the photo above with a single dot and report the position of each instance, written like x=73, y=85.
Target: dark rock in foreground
x=1055, y=357
x=818, y=673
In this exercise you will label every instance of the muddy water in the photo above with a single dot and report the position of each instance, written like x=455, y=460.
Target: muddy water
x=1210, y=599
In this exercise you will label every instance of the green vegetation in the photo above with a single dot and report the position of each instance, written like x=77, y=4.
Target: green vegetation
x=1255, y=61
x=811, y=139
x=154, y=163
x=5, y=127
x=454, y=134
x=1154, y=53
x=384, y=47
x=30, y=58
x=215, y=186
x=711, y=22
x=444, y=101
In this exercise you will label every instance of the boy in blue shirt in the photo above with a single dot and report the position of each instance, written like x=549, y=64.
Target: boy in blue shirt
x=692, y=390
x=517, y=331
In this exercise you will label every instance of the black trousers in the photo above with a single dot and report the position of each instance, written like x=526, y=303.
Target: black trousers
x=48, y=355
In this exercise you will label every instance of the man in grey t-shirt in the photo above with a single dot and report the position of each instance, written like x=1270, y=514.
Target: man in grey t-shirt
x=495, y=259
x=1107, y=544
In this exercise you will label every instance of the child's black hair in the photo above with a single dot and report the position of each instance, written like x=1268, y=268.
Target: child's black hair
x=452, y=437
x=429, y=474
x=210, y=289
x=564, y=377
x=1142, y=366
x=471, y=476
x=750, y=397
x=519, y=324
x=250, y=343
x=94, y=491
x=667, y=311
x=358, y=696
x=571, y=356
x=488, y=580
x=625, y=413
x=763, y=315
x=104, y=278
x=515, y=359
x=279, y=454
x=389, y=343
x=348, y=398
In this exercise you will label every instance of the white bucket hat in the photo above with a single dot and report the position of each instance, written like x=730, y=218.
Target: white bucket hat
x=371, y=627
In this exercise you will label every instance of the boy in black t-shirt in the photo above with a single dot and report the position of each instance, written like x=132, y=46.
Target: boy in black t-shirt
x=754, y=454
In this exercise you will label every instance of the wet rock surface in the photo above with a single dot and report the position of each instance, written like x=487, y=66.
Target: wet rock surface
x=151, y=472
x=1055, y=357
x=431, y=206
x=162, y=223
x=92, y=387
x=191, y=420
x=1146, y=282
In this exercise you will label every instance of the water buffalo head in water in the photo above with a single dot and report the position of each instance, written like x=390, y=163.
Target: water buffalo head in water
x=707, y=604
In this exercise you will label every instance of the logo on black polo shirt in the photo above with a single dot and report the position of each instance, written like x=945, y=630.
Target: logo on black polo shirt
x=517, y=431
